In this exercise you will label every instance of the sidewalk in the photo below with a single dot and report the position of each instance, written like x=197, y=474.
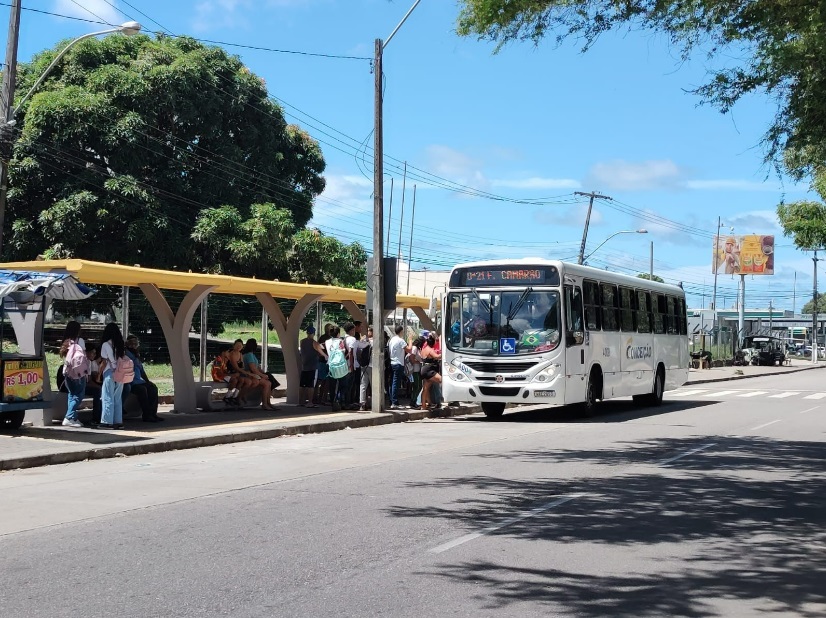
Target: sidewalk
x=42, y=446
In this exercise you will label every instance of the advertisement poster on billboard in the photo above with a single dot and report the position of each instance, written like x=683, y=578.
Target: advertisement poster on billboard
x=22, y=380
x=752, y=254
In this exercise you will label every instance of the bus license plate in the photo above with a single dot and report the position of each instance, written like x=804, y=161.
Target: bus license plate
x=544, y=393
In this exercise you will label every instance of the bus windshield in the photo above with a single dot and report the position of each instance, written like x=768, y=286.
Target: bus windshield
x=489, y=323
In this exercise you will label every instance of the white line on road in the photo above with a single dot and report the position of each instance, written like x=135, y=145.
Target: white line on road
x=810, y=409
x=526, y=515
x=783, y=395
x=719, y=393
x=765, y=425
x=696, y=450
x=753, y=394
x=815, y=396
x=687, y=393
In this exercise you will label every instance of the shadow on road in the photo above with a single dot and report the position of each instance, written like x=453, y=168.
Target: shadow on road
x=756, y=508
x=612, y=411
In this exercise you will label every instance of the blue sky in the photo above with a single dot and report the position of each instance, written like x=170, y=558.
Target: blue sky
x=524, y=125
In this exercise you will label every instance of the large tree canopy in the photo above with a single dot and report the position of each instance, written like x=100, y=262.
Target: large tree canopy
x=775, y=46
x=163, y=152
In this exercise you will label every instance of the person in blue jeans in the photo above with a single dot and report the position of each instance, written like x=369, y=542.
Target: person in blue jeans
x=111, y=349
x=76, y=386
x=397, y=350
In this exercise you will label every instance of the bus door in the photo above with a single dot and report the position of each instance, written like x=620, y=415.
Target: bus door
x=576, y=345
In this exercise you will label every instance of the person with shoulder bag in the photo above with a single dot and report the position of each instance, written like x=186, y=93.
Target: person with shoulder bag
x=117, y=369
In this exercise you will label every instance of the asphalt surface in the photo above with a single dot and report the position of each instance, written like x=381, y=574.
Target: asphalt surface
x=710, y=505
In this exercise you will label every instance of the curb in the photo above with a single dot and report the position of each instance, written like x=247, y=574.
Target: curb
x=760, y=375
x=162, y=446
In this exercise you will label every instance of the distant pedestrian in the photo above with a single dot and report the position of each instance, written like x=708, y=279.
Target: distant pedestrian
x=143, y=388
x=311, y=352
x=397, y=350
x=76, y=370
x=337, y=361
x=364, y=352
x=115, y=366
x=322, y=386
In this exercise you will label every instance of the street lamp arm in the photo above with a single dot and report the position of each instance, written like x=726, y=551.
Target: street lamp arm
x=128, y=28
x=611, y=236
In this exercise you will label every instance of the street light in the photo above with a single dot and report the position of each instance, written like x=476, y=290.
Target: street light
x=615, y=234
x=128, y=28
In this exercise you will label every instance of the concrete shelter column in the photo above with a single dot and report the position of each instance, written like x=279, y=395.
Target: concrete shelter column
x=288, y=331
x=176, y=329
x=355, y=312
x=424, y=318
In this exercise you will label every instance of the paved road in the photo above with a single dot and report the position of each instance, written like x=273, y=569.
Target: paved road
x=712, y=504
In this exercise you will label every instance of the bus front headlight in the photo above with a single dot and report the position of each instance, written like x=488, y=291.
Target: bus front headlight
x=547, y=374
x=454, y=373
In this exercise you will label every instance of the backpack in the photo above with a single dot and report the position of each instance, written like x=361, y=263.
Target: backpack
x=337, y=363
x=219, y=369
x=76, y=365
x=365, y=355
x=124, y=370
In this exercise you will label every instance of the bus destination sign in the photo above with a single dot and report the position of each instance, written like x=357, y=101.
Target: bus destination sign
x=474, y=277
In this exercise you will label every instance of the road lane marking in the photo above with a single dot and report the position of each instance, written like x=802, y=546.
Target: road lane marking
x=784, y=395
x=764, y=425
x=687, y=393
x=691, y=452
x=719, y=393
x=522, y=516
x=815, y=396
x=753, y=394
x=809, y=410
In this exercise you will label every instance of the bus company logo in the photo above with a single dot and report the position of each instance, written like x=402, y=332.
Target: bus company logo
x=499, y=379
x=638, y=352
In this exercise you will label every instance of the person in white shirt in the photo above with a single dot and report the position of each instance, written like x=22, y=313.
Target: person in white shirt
x=397, y=349
x=349, y=384
x=334, y=384
x=111, y=349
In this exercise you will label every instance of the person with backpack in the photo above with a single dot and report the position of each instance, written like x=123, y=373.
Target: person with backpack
x=311, y=353
x=117, y=370
x=337, y=366
x=76, y=369
x=364, y=355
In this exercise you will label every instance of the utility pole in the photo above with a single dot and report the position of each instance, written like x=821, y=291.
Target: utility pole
x=7, y=101
x=771, y=318
x=651, y=263
x=377, y=279
x=716, y=266
x=814, y=311
x=592, y=195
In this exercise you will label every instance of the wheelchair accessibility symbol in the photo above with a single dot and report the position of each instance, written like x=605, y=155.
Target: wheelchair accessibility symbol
x=507, y=345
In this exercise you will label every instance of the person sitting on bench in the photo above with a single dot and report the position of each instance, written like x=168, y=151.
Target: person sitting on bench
x=141, y=386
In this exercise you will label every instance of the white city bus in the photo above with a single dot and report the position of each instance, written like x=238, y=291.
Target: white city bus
x=542, y=331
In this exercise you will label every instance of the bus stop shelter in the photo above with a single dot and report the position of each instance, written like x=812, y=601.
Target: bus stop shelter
x=177, y=324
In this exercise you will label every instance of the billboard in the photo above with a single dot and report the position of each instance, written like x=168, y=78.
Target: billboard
x=752, y=254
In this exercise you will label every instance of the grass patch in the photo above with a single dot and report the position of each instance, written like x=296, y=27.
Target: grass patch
x=246, y=330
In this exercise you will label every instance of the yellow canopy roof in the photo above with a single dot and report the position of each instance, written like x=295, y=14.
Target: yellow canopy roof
x=101, y=273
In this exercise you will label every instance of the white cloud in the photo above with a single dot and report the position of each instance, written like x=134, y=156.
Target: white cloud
x=344, y=197
x=740, y=185
x=220, y=14
x=620, y=175
x=536, y=182
x=90, y=9
x=573, y=215
x=456, y=166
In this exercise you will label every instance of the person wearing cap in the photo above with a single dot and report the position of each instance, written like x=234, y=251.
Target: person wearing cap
x=311, y=351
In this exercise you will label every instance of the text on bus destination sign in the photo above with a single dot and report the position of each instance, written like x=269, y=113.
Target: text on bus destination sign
x=491, y=277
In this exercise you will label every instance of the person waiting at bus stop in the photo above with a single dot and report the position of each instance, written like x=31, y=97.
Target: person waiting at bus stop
x=144, y=390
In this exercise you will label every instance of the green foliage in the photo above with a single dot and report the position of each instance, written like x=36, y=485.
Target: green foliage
x=771, y=46
x=656, y=278
x=805, y=223
x=162, y=152
x=821, y=305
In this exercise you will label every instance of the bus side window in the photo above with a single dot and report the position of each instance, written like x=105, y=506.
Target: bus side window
x=574, y=312
x=627, y=310
x=683, y=318
x=671, y=319
x=643, y=315
x=610, y=319
x=658, y=308
x=590, y=290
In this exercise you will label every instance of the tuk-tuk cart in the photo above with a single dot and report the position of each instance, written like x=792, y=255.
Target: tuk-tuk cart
x=763, y=350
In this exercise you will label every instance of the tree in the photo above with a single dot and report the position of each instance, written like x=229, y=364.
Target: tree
x=656, y=278
x=163, y=152
x=805, y=223
x=821, y=305
x=776, y=47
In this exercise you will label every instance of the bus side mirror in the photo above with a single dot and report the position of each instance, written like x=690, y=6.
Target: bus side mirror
x=574, y=338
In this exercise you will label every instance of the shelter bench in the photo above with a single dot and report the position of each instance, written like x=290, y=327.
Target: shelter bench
x=209, y=396
x=60, y=403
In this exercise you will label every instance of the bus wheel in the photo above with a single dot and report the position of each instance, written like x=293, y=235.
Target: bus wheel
x=656, y=396
x=493, y=409
x=12, y=420
x=593, y=392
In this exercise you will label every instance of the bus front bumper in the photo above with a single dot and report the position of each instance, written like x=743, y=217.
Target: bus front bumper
x=551, y=393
